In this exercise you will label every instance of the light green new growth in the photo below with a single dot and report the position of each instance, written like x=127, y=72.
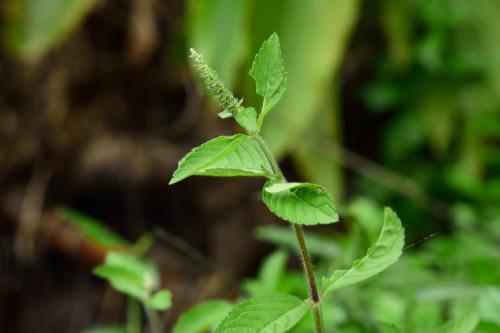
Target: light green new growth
x=139, y=279
x=297, y=203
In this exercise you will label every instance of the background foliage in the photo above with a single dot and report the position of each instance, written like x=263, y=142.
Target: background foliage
x=388, y=103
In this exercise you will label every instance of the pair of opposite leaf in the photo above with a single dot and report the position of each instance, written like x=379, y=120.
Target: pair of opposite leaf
x=300, y=203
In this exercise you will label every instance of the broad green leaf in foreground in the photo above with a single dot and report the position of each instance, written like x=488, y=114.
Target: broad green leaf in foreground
x=268, y=70
x=237, y=155
x=33, y=26
x=383, y=253
x=202, y=317
x=465, y=324
x=300, y=203
x=264, y=314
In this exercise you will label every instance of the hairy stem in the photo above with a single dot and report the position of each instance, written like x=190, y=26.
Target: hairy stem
x=154, y=319
x=304, y=253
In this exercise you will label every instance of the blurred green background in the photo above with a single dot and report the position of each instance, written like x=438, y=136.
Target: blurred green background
x=389, y=102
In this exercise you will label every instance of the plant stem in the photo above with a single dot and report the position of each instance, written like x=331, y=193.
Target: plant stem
x=304, y=253
x=307, y=264
x=154, y=319
x=133, y=316
x=270, y=158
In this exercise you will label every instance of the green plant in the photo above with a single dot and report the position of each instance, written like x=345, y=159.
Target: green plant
x=127, y=270
x=298, y=203
x=139, y=280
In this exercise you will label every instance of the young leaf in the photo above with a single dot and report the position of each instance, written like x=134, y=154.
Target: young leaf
x=268, y=70
x=465, y=324
x=123, y=281
x=247, y=119
x=383, y=253
x=301, y=203
x=128, y=274
x=264, y=314
x=237, y=155
x=161, y=300
x=202, y=317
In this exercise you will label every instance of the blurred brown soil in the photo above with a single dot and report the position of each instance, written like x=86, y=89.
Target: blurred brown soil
x=98, y=125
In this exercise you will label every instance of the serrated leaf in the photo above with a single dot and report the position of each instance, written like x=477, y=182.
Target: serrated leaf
x=268, y=71
x=161, y=300
x=383, y=253
x=247, y=119
x=202, y=317
x=237, y=155
x=33, y=27
x=264, y=314
x=301, y=203
x=465, y=324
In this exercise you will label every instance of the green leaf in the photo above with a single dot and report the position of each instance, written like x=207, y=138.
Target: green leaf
x=465, y=324
x=301, y=203
x=247, y=119
x=92, y=228
x=128, y=274
x=202, y=317
x=382, y=254
x=489, y=304
x=313, y=46
x=123, y=281
x=224, y=114
x=33, y=27
x=161, y=300
x=237, y=155
x=264, y=314
x=268, y=71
